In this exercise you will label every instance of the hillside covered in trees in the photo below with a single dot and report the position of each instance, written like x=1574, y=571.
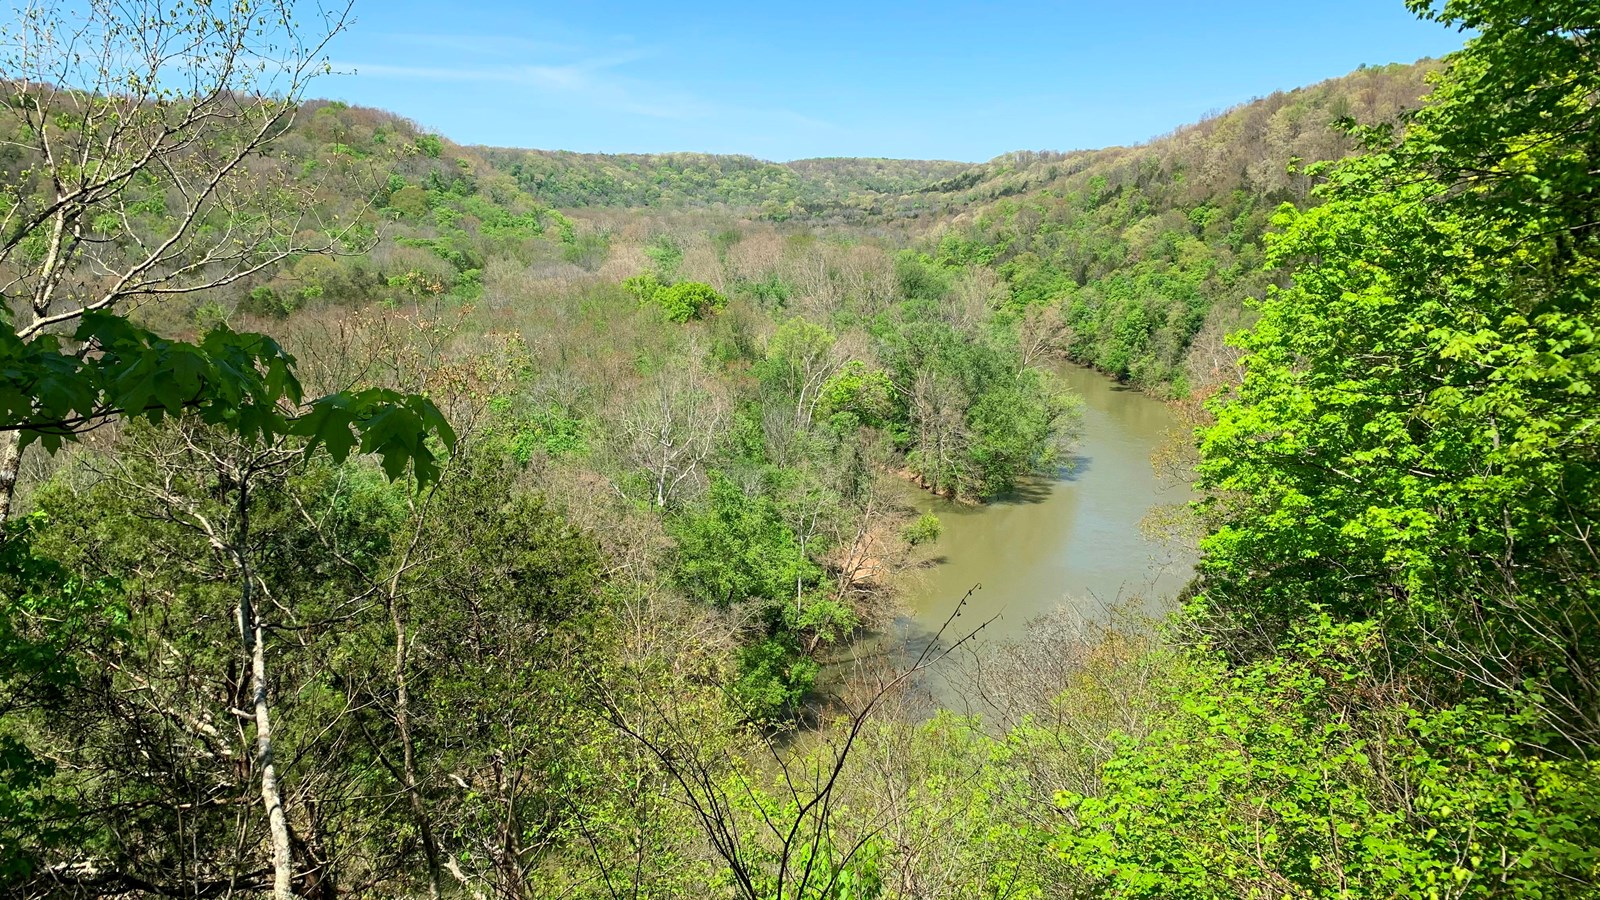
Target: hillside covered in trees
x=776, y=190
x=1137, y=261
x=389, y=517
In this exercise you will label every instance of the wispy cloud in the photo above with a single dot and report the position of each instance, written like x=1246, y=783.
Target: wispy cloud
x=480, y=45
x=572, y=74
x=593, y=81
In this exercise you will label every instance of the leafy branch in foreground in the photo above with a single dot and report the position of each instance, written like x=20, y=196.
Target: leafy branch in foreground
x=241, y=381
x=143, y=133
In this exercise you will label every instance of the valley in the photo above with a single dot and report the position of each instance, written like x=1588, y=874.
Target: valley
x=384, y=516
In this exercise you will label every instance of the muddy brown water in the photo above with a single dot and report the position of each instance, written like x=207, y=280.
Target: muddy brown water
x=1073, y=540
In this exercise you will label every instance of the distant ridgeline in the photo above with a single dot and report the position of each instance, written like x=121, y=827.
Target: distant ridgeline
x=1143, y=254
x=1248, y=148
x=842, y=187
x=1146, y=253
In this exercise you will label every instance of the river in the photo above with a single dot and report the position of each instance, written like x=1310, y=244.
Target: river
x=1070, y=540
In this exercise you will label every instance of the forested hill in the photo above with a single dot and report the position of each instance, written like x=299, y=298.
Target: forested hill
x=1248, y=147
x=1135, y=260
x=565, y=179
x=1149, y=253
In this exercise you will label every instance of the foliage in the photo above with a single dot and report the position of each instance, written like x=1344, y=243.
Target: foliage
x=667, y=256
x=815, y=186
x=643, y=286
x=857, y=397
x=681, y=301
x=972, y=420
x=504, y=611
x=1414, y=439
x=1282, y=773
x=529, y=678
x=1398, y=580
x=926, y=528
x=551, y=431
x=242, y=381
x=738, y=548
x=690, y=300
x=1140, y=249
x=49, y=395
x=773, y=678
x=46, y=616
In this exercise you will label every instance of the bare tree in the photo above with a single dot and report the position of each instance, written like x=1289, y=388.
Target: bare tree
x=795, y=848
x=672, y=430
x=974, y=296
x=1212, y=362
x=143, y=129
x=938, y=413
x=869, y=546
x=1042, y=333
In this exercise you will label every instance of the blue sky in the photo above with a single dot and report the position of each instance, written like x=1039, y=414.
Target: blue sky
x=932, y=80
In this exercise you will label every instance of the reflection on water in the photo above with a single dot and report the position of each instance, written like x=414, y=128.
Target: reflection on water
x=1073, y=539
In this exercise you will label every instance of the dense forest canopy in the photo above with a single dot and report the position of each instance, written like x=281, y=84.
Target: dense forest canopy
x=389, y=517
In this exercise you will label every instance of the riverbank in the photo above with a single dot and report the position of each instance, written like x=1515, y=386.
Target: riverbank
x=1074, y=540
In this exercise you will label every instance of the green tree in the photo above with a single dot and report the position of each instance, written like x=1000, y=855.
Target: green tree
x=1267, y=777
x=971, y=420
x=857, y=396
x=690, y=300
x=1415, y=439
x=667, y=255
x=1398, y=693
x=800, y=359
x=737, y=549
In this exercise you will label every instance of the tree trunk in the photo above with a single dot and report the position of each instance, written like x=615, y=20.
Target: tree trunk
x=508, y=857
x=277, y=822
x=10, y=464
x=402, y=722
x=252, y=630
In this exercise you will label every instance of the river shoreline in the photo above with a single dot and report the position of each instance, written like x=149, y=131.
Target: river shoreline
x=1073, y=540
